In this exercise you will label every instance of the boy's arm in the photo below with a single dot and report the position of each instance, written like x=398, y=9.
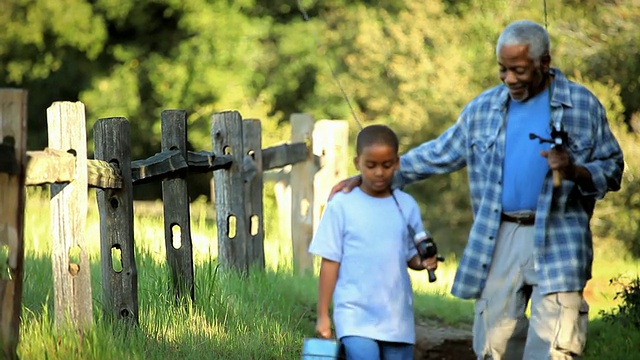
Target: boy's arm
x=326, y=285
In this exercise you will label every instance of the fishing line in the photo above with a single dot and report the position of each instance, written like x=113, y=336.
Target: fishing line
x=305, y=16
x=546, y=24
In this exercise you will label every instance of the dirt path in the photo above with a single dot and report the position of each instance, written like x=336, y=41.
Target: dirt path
x=442, y=342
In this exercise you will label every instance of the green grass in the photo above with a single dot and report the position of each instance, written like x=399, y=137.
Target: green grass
x=263, y=316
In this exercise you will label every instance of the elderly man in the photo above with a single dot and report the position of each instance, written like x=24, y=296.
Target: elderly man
x=530, y=241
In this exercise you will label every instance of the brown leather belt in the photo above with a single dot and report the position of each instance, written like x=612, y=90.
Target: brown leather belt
x=522, y=220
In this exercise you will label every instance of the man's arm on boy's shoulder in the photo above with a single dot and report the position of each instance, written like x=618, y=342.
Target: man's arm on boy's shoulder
x=345, y=185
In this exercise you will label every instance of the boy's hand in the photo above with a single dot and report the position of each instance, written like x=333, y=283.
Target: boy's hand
x=346, y=185
x=430, y=263
x=323, y=327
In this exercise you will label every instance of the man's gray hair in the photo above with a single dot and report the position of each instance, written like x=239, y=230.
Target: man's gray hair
x=526, y=32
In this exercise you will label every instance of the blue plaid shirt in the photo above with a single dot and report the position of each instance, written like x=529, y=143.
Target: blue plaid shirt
x=563, y=244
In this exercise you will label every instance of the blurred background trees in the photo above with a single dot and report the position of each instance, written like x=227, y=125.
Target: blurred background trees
x=412, y=65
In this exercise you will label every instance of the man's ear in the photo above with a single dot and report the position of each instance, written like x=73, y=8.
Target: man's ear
x=355, y=163
x=545, y=61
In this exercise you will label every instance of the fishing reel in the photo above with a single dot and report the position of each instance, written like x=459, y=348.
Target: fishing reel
x=427, y=249
x=559, y=139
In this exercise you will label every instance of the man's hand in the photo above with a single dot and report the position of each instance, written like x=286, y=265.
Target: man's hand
x=560, y=161
x=345, y=185
x=323, y=327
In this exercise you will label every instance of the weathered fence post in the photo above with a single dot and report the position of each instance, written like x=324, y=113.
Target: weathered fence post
x=330, y=142
x=13, y=138
x=119, y=273
x=177, y=227
x=301, y=181
x=71, y=269
x=226, y=136
x=252, y=145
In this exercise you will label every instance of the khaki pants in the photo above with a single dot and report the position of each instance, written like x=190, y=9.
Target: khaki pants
x=557, y=328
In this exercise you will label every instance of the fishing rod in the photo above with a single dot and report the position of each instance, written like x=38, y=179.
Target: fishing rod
x=559, y=136
x=334, y=75
x=423, y=241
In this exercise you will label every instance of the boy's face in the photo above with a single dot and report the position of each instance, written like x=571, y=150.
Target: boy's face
x=376, y=164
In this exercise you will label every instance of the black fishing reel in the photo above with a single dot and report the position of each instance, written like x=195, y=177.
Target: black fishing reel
x=427, y=249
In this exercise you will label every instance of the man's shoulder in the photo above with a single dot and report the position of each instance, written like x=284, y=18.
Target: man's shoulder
x=570, y=91
x=578, y=90
x=489, y=98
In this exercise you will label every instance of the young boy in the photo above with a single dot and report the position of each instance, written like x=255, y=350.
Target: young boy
x=365, y=247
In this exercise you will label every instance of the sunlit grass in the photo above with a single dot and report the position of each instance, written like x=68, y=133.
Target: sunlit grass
x=263, y=316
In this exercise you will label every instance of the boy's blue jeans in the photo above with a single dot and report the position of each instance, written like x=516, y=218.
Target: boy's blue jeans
x=361, y=348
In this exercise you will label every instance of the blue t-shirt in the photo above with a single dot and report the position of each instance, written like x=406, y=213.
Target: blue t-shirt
x=368, y=236
x=524, y=168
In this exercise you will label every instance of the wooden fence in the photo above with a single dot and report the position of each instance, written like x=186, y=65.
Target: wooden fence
x=13, y=123
x=238, y=163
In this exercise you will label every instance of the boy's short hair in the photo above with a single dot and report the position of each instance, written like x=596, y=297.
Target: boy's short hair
x=376, y=135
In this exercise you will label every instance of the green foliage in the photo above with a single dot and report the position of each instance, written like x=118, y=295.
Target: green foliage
x=628, y=312
x=609, y=222
x=412, y=65
x=611, y=341
x=39, y=35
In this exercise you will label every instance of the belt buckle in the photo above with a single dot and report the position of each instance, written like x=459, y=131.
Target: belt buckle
x=525, y=220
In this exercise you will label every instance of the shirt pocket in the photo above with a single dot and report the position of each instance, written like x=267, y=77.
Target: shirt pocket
x=580, y=149
x=481, y=157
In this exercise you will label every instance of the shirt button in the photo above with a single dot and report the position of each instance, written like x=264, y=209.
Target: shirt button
x=495, y=210
x=484, y=266
x=490, y=237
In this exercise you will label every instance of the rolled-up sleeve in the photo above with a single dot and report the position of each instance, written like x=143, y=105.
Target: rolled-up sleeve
x=606, y=163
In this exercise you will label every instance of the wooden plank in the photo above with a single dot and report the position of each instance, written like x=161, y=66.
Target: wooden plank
x=158, y=166
x=301, y=180
x=282, y=155
x=252, y=144
x=175, y=198
x=205, y=161
x=56, y=166
x=331, y=140
x=50, y=166
x=13, y=136
x=226, y=137
x=71, y=270
x=117, y=250
x=171, y=163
